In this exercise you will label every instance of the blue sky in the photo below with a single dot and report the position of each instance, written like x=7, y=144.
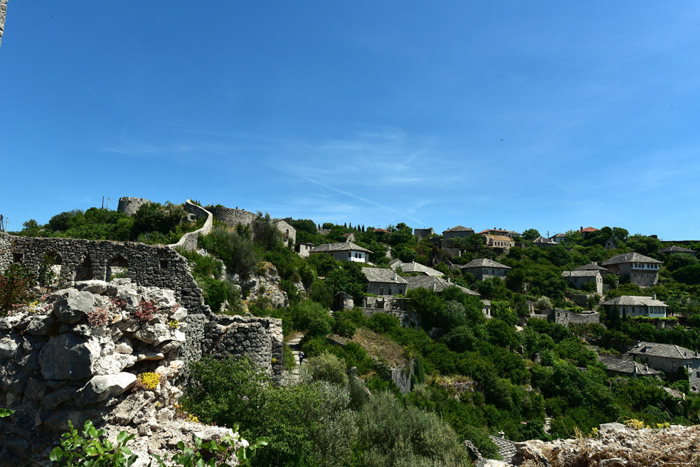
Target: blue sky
x=552, y=115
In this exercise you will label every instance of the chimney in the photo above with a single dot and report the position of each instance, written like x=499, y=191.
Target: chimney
x=396, y=276
x=581, y=228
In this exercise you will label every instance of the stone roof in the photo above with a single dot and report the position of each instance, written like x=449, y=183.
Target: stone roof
x=459, y=228
x=634, y=300
x=484, y=263
x=506, y=448
x=415, y=267
x=654, y=349
x=560, y=235
x=633, y=257
x=383, y=275
x=543, y=241
x=331, y=247
x=581, y=273
x=626, y=365
x=591, y=267
x=436, y=284
x=677, y=249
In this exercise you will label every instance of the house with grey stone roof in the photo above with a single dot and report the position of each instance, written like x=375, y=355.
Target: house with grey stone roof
x=346, y=251
x=669, y=358
x=483, y=268
x=382, y=281
x=625, y=365
x=544, y=242
x=560, y=238
x=677, y=250
x=289, y=233
x=630, y=306
x=593, y=267
x=641, y=270
x=436, y=284
x=413, y=267
x=577, y=279
x=453, y=233
x=423, y=233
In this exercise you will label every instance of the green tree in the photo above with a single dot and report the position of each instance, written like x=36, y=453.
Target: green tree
x=530, y=234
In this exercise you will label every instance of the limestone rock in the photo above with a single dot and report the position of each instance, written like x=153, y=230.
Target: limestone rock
x=66, y=356
x=74, y=306
x=100, y=388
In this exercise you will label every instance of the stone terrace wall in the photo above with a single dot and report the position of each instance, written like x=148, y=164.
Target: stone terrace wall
x=189, y=240
x=565, y=317
x=233, y=217
x=154, y=266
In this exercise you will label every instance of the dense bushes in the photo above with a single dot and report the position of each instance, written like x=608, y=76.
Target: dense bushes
x=233, y=248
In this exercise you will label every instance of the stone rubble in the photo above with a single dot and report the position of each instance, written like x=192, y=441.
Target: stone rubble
x=80, y=353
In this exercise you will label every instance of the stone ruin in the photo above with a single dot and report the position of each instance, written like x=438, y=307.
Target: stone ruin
x=77, y=353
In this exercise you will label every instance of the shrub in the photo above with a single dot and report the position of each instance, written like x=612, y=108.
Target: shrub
x=328, y=367
x=15, y=287
x=312, y=318
x=92, y=448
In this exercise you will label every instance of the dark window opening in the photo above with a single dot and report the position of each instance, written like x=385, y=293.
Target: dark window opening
x=164, y=264
x=17, y=257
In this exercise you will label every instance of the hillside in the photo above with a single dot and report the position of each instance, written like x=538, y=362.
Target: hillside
x=492, y=332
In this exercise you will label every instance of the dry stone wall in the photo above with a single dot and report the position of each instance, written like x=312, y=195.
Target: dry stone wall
x=110, y=352
x=151, y=266
x=233, y=217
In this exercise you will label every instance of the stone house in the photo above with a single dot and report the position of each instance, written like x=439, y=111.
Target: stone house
x=626, y=366
x=436, y=284
x=593, y=266
x=382, y=281
x=501, y=232
x=544, y=242
x=566, y=317
x=484, y=268
x=452, y=233
x=669, y=358
x=677, y=250
x=560, y=238
x=501, y=242
x=304, y=249
x=577, y=279
x=423, y=233
x=413, y=267
x=630, y=306
x=346, y=251
x=289, y=233
x=641, y=270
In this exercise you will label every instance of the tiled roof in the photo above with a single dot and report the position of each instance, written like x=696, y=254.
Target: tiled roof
x=383, y=275
x=436, y=284
x=589, y=229
x=484, y=263
x=634, y=300
x=633, y=257
x=655, y=349
x=331, y=247
x=415, y=267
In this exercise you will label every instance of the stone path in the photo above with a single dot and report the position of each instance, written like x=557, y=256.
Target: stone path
x=295, y=345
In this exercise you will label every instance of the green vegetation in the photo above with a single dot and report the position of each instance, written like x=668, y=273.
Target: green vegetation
x=152, y=224
x=472, y=376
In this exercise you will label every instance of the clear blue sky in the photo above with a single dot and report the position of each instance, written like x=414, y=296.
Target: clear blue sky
x=513, y=114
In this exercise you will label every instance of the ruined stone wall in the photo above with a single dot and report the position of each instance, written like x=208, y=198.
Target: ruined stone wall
x=129, y=205
x=152, y=266
x=189, y=240
x=565, y=317
x=233, y=217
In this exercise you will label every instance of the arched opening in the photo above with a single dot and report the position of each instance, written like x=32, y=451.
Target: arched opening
x=117, y=267
x=50, y=269
x=84, y=271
